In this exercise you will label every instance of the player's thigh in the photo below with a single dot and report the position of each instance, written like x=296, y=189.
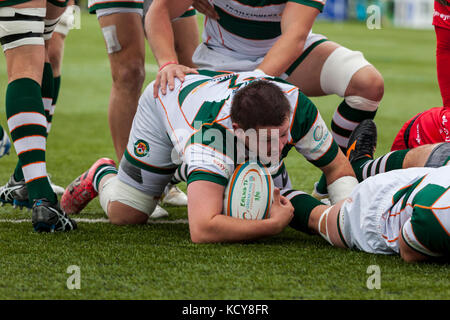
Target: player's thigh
x=429, y=155
x=53, y=11
x=307, y=74
x=186, y=39
x=124, y=38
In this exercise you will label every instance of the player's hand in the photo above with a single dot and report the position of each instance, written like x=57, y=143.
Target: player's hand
x=166, y=77
x=206, y=8
x=281, y=211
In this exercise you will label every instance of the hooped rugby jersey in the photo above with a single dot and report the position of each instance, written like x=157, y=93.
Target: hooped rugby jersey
x=199, y=126
x=422, y=209
x=248, y=27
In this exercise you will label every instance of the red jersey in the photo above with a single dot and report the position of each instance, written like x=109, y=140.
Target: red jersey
x=431, y=126
x=441, y=15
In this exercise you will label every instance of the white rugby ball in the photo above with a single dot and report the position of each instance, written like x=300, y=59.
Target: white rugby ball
x=249, y=193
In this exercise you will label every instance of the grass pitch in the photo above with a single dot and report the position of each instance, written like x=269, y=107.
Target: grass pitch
x=158, y=261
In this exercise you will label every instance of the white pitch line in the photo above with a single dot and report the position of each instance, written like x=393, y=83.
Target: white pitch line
x=101, y=220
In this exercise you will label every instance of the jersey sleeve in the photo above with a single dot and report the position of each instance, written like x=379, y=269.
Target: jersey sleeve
x=413, y=239
x=209, y=156
x=204, y=163
x=319, y=4
x=428, y=228
x=310, y=134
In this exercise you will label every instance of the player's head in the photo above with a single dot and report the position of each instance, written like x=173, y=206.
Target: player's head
x=263, y=108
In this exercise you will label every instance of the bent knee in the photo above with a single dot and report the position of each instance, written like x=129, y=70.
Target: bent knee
x=121, y=214
x=367, y=83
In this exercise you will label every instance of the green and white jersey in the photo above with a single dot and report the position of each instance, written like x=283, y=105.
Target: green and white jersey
x=94, y=5
x=198, y=124
x=426, y=203
x=248, y=27
x=411, y=203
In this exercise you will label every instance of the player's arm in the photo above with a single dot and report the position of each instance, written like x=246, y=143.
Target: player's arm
x=207, y=224
x=296, y=22
x=160, y=35
x=315, y=142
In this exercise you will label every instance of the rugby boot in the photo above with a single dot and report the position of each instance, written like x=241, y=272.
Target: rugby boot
x=81, y=191
x=363, y=141
x=48, y=217
x=15, y=193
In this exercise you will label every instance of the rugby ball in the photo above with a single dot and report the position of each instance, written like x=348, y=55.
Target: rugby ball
x=249, y=193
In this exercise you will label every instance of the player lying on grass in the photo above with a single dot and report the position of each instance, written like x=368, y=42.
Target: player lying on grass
x=404, y=212
x=213, y=121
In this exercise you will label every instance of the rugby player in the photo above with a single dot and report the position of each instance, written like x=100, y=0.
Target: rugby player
x=203, y=123
x=24, y=26
x=121, y=23
x=404, y=211
x=122, y=27
x=274, y=37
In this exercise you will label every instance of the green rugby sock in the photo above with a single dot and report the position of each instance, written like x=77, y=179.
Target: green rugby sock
x=321, y=186
x=345, y=120
x=56, y=87
x=101, y=172
x=55, y=95
x=48, y=93
x=28, y=127
x=303, y=206
x=367, y=167
x=18, y=174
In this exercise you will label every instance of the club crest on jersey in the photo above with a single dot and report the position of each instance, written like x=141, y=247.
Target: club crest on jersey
x=141, y=148
x=318, y=133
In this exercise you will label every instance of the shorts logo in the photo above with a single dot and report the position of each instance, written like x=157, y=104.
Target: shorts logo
x=141, y=148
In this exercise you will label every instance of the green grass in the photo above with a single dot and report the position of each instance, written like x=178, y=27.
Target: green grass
x=158, y=261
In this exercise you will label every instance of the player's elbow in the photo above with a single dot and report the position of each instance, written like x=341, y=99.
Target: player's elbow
x=298, y=39
x=202, y=233
x=199, y=237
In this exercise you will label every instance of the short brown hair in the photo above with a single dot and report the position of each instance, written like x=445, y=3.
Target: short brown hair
x=260, y=104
